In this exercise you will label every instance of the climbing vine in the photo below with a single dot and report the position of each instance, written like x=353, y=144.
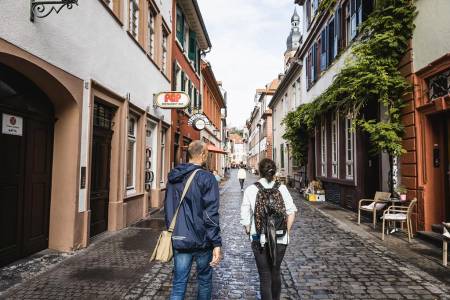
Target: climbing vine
x=370, y=75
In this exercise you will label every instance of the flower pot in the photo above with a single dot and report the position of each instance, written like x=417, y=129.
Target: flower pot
x=403, y=197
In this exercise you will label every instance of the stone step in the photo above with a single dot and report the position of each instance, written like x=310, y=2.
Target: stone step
x=431, y=237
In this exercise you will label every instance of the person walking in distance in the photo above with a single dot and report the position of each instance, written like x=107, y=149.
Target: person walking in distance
x=197, y=232
x=267, y=213
x=242, y=175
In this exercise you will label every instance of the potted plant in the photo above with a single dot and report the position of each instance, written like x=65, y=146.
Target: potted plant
x=401, y=191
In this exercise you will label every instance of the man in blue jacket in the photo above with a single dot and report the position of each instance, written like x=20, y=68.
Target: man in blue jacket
x=197, y=231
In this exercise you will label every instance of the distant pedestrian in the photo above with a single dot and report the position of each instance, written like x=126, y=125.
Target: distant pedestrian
x=197, y=232
x=242, y=175
x=217, y=176
x=267, y=213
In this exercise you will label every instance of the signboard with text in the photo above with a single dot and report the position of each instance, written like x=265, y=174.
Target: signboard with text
x=172, y=100
x=12, y=125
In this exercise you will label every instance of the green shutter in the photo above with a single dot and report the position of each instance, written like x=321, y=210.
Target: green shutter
x=192, y=45
x=183, y=81
x=180, y=26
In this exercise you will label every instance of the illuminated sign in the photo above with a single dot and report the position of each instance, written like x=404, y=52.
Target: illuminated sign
x=172, y=100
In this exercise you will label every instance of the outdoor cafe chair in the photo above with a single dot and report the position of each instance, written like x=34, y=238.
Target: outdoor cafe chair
x=400, y=214
x=373, y=205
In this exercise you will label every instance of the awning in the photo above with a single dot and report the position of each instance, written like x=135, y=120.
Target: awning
x=214, y=149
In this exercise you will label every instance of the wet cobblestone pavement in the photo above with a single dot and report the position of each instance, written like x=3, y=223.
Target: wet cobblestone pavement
x=323, y=261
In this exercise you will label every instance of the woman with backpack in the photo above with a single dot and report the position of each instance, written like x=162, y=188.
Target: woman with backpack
x=267, y=213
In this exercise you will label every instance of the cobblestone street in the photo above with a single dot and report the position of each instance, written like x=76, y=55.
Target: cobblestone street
x=323, y=261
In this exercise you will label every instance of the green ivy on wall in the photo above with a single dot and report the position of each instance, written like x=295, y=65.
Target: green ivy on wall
x=370, y=75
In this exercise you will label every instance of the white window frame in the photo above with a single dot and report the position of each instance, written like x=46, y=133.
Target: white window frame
x=151, y=22
x=323, y=148
x=178, y=77
x=335, y=145
x=349, y=149
x=132, y=138
x=186, y=37
x=133, y=16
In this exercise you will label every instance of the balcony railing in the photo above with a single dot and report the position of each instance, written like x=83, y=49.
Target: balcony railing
x=439, y=85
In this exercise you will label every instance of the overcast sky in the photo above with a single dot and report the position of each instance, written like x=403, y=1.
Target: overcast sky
x=248, y=42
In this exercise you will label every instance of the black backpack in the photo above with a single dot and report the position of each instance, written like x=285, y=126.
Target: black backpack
x=270, y=216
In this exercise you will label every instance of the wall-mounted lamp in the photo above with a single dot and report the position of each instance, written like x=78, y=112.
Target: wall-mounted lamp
x=43, y=8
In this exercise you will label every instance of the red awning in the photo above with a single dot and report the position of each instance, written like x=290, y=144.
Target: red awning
x=214, y=149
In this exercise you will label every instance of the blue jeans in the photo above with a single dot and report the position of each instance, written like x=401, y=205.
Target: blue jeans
x=182, y=269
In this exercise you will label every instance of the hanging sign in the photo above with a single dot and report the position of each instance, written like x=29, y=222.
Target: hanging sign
x=171, y=100
x=198, y=121
x=12, y=125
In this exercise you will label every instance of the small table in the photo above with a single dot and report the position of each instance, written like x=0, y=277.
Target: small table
x=395, y=201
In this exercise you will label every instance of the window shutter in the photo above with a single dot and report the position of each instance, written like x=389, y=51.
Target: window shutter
x=337, y=31
x=183, y=79
x=323, y=49
x=180, y=26
x=331, y=37
x=192, y=45
x=174, y=76
x=314, y=63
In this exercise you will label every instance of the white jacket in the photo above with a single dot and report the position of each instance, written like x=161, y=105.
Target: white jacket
x=248, y=207
x=242, y=174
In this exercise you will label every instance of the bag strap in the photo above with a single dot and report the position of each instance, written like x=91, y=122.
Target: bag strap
x=186, y=188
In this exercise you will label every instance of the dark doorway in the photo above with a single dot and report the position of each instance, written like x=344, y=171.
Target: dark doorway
x=100, y=168
x=371, y=162
x=25, y=166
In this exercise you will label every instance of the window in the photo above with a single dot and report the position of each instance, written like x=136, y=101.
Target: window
x=186, y=36
x=335, y=145
x=180, y=26
x=192, y=52
x=314, y=6
x=183, y=81
x=151, y=31
x=165, y=50
x=163, y=155
x=131, y=153
x=348, y=32
x=297, y=93
x=349, y=149
x=314, y=63
x=308, y=12
x=134, y=18
x=323, y=50
x=331, y=44
x=337, y=31
x=282, y=156
x=323, y=148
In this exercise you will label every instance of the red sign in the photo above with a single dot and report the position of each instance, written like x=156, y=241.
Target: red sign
x=170, y=100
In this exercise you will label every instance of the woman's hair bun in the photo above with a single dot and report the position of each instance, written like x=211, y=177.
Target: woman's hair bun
x=267, y=169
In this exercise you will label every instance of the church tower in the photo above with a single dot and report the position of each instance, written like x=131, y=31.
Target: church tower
x=294, y=39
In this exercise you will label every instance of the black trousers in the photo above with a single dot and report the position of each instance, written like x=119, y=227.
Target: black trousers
x=241, y=181
x=269, y=275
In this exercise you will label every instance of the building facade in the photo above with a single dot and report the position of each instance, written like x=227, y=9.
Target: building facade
x=286, y=99
x=189, y=41
x=425, y=168
x=83, y=149
x=260, y=126
x=340, y=155
x=214, y=108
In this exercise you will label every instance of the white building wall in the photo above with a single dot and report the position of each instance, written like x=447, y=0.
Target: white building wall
x=88, y=43
x=432, y=22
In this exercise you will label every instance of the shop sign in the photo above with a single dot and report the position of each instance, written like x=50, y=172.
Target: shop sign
x=172, y=100
x=198, y=121
x=12, y=125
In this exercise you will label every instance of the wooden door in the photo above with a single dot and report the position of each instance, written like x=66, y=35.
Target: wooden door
x=11, y=196
x=38, y=158
x=100, y=168
x=25, y=186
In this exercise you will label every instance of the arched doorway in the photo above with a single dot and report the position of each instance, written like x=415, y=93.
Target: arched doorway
x=26, y=139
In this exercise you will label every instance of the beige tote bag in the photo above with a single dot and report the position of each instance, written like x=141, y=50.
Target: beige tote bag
x=163, y=250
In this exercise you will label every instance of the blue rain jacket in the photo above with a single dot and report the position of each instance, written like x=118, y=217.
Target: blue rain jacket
x=197, y=226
